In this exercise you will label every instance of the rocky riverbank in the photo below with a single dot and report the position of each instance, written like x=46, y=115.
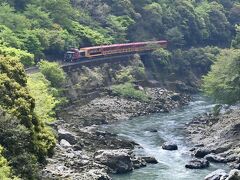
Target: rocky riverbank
x=112, y=108
x=217, y=138
x=84, y=152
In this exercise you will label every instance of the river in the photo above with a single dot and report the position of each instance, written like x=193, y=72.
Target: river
x=170, y=127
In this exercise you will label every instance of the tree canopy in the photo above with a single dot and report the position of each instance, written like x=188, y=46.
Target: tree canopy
x=49, y=27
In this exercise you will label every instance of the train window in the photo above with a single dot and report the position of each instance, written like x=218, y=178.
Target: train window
x=69, y=55
x=82, y=53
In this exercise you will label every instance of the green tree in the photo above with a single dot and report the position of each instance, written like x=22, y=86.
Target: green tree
x=223, y=81
x=175, y=37
x=9, y=38
x=16, y=100
x=25, y=58
x=14, y=21
x=38, y=17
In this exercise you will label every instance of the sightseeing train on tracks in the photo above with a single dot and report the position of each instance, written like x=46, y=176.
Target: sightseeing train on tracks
x=74, y=55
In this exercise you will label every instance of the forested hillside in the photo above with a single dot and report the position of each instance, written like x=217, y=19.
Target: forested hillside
x=31, y=30
x=49, y=27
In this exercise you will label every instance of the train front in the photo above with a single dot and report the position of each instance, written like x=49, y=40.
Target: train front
x=74, y=55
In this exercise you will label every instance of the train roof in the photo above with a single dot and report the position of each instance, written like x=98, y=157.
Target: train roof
x=126, y=44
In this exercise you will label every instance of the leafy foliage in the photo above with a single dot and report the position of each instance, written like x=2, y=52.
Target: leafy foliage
x=49, y=27
x=5, y=170
x=40, y=90
x=223, y=81
x=25, y=58
x=236, y=41
x=127, y=90
x=132, y=73
x=16, y=100
x=53, y=72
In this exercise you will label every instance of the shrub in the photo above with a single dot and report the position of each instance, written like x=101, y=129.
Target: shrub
x=162, y=56
x=53, y=72
x=127, y=90
x=134, y=72
x=39, y=89
x=125, y=75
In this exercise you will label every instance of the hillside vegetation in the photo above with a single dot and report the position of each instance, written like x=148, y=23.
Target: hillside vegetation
x=49, y=27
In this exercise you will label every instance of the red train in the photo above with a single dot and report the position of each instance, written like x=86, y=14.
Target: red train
x=108, y=50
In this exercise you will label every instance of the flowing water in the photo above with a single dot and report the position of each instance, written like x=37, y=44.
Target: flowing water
x=170, y=127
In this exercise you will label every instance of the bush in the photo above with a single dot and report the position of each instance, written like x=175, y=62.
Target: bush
x=39, y=89
x=134, y=72
x=127, y=90
x=53, y=72
x=162, y=56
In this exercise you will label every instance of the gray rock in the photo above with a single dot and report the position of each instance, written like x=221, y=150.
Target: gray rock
x=234, y=175
x=215, y=158
x=138, y=163
x=153, y=130
x=118, y=161
x=64, y=143
x=199, y=145
x=95, y=174
x=176, y=97
x=201, y=152
x=63, y=134
x=169, y=146
x=216, y=175
x=150, y=160
x=197, y=164
x=222, y=149
x=236, y=166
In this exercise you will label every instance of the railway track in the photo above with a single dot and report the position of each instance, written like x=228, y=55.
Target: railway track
x=87, y=61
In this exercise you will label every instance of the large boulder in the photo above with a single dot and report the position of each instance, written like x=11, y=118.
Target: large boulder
x=201, y=152
x=215, y=158
x=138, y=162
x=176, y=97
x=150, y=160
x=216, y=175
x=70, y=137
x=169, y=146
x=65, y=143
x=118, y=161
x=234, y=175
x=197, y=164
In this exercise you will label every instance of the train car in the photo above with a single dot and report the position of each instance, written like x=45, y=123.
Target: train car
x=108, y=50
